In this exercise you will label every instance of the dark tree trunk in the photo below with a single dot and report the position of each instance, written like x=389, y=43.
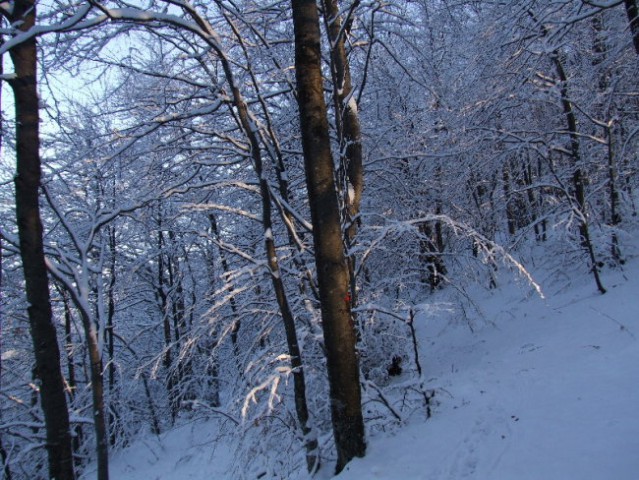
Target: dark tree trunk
x=299, y=385
x=110, y=327
x=237, y=322
x=97, y=381
x=578, y=177
x=527, y=173
x=27, y=184
x=166, y=323
x=508, y=198
x=248, y=126
x=109, y=339
x=615, y=216
x=633, y=19
x=3, y=452
x=71, y=380
x=332, y=267
x=97, y=391
x=430, y=254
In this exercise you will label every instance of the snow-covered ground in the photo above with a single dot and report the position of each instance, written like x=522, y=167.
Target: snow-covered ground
x=549, y=391
x=541, y=389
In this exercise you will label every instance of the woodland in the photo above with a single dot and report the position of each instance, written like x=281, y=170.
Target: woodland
x=233, y=209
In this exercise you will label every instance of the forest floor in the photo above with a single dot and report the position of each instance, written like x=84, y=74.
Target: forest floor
x=532, y=389
x=548, y=389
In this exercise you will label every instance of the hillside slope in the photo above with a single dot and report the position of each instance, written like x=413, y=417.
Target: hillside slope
x=540, y=389
x=547, y=389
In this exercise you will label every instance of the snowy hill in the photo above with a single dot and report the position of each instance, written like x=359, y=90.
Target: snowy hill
x=541, y=389
x=549, y=391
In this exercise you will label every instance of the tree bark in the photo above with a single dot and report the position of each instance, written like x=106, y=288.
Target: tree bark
x=27, y=184
x=97, y=391
x=633, y=19
x=578, y=177
x=71, y=381
x=97, y=380
x=297, y=367
x=3, y=452
x=167, y=358
x=237, y=323
x=348, y=130
x=332, y=267
x=248, y=126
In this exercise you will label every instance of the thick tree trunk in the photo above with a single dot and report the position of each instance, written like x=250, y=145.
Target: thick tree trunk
x=332, y=267
x=27, y=183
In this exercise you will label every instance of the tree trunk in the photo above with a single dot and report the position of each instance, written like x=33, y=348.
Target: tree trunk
x=508, y=198
x=348, y=131
x=3, y=453
x=578, y=177
x=71, y=381
x=332, y=267
x=27, y=184
x=248, y=126
x=109, y=339
x=237, y=322
x=299, y=382
x=299, y=385
x=615, y=216
x=97, y=381
x=633, y=19
x=110, y=328
x=97, y=391
x=166, y=323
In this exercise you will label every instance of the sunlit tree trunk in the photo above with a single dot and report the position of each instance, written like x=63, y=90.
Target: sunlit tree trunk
x=331, y=263
x=348, y=130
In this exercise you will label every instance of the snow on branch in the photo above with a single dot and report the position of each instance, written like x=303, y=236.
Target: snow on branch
x=69, y=24
x=491, y=248
x=80, y=21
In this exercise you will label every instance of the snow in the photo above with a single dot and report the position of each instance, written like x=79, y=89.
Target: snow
x=9, y=354
x=548, y=391
x=537, y=389
x=351, y=193
x=352, y=104
x=189, y=452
